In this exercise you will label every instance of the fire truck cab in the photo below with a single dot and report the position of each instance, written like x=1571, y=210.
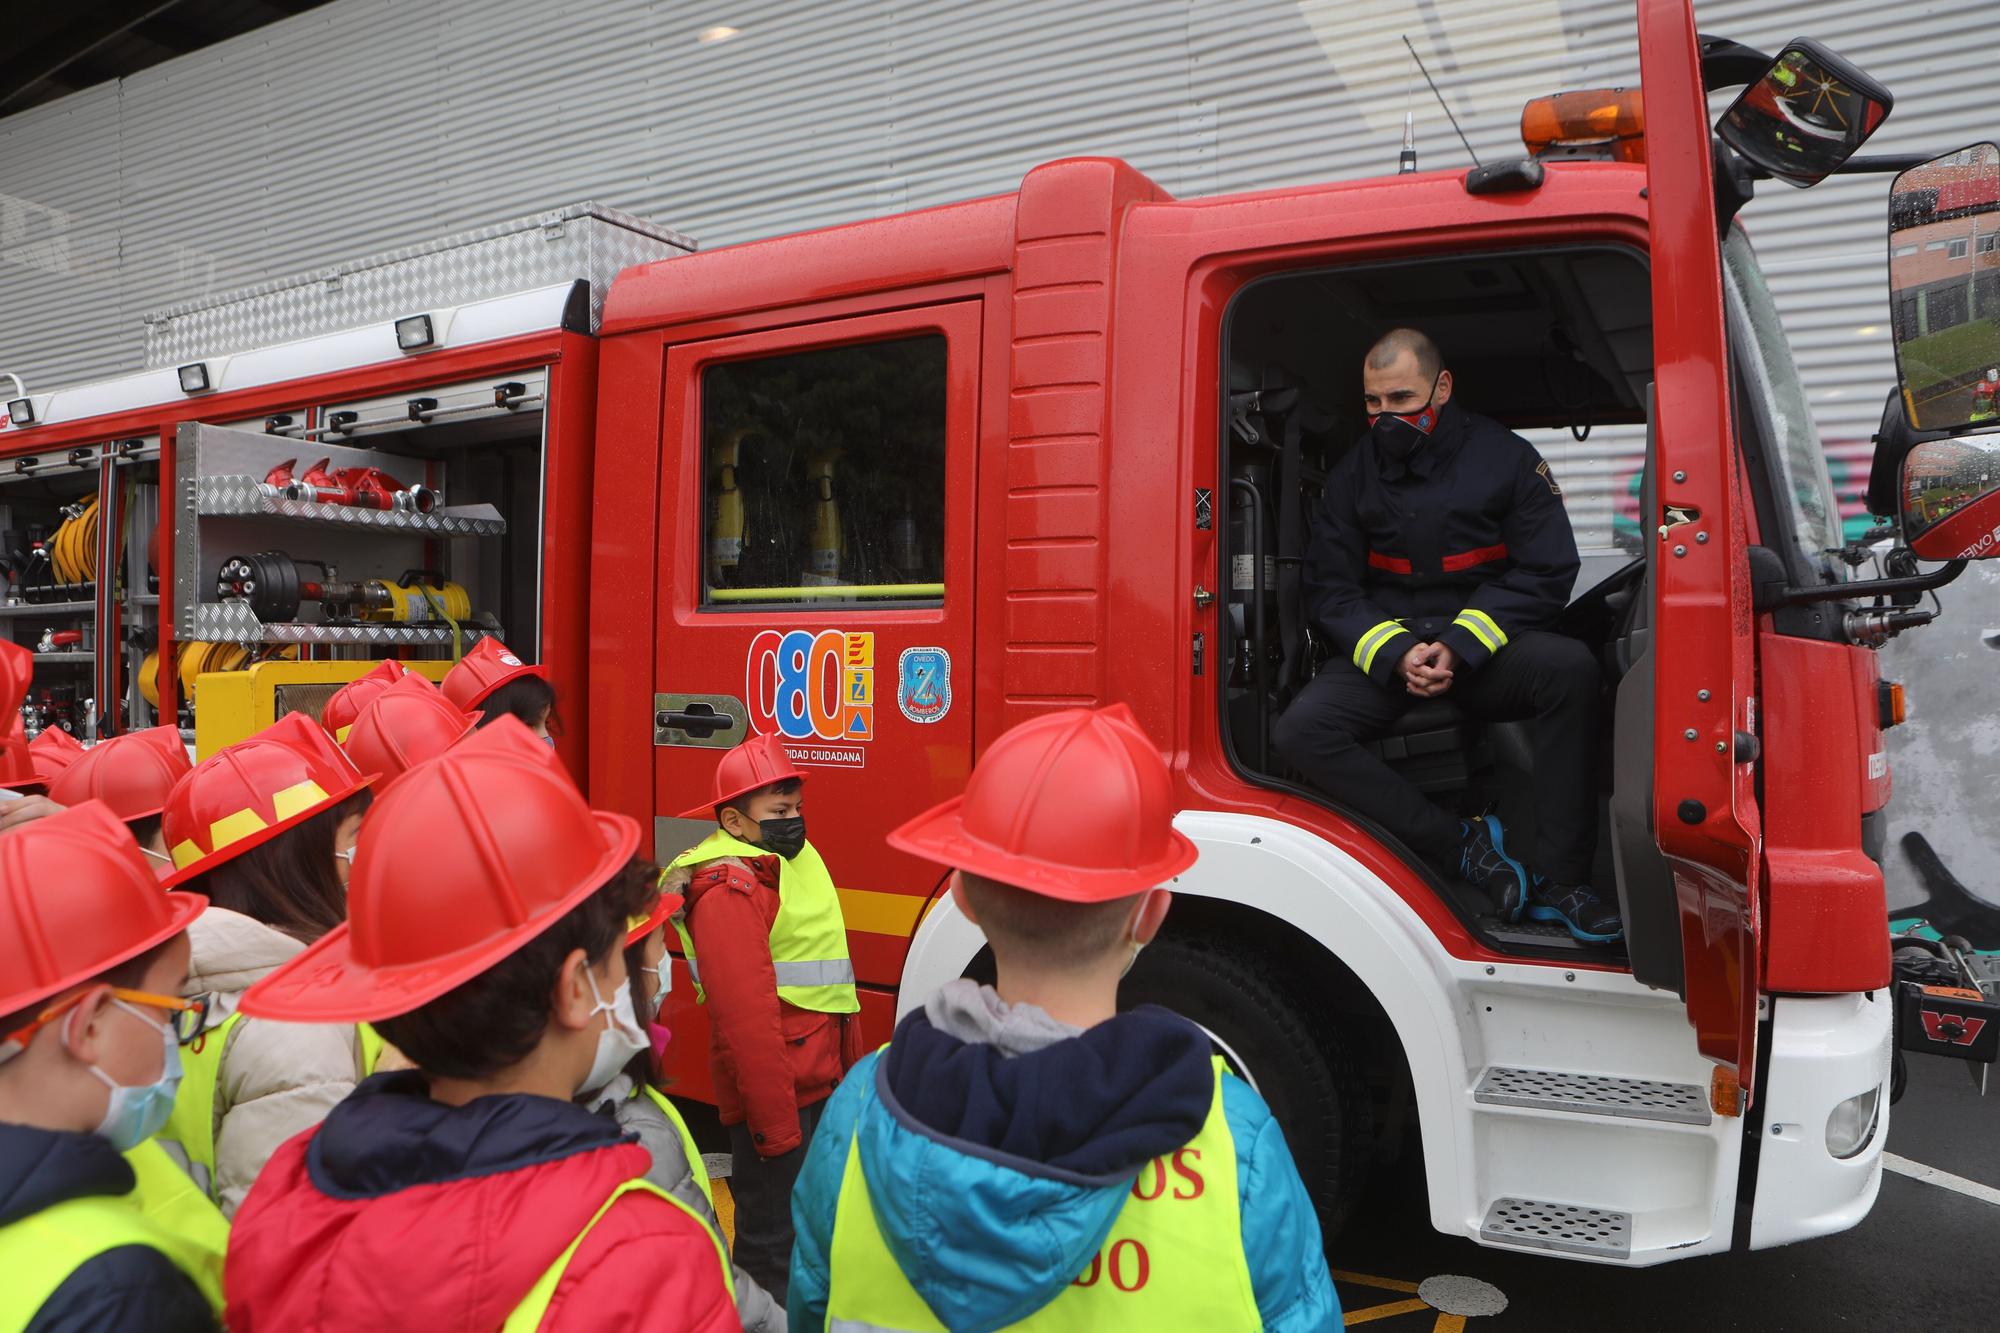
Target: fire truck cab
x=887, y=489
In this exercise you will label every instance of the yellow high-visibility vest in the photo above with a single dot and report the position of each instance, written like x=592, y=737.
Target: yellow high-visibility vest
x=808, y=936
x=1174, y=1258
x=38, y=1253
x=191, y=1126
x=528, y=1314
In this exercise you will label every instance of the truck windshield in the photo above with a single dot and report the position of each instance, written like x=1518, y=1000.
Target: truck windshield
x=1781, y=405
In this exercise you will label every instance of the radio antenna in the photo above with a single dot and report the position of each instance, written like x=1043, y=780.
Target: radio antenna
x=1441, y=102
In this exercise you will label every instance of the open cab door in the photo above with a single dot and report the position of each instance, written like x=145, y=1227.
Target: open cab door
x=1704, y=806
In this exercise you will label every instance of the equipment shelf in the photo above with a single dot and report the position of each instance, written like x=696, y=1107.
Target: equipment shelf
x=243, y=497
x=47, y=608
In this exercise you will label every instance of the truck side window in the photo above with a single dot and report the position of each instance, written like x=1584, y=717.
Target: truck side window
x=823, y=476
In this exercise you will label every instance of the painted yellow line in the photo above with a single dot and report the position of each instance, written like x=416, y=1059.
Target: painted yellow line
x=1385, y=1283
x=1389, y=1311
x=1449, y=1323
x=877, y=913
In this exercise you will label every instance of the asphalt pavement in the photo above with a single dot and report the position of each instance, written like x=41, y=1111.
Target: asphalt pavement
x=1926, y=1258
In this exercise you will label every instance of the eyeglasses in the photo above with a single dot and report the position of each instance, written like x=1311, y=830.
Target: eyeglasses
x=188, y=1017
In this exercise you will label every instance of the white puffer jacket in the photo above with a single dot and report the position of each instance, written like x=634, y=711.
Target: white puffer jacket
x=276, y=1078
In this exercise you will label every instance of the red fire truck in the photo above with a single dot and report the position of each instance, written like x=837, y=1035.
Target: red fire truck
x=887, y=489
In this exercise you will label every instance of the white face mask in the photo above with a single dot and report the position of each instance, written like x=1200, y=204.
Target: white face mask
x=663, y=973
x=621, y=1039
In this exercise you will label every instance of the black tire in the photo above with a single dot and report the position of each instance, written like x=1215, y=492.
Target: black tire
x=1289, y=1048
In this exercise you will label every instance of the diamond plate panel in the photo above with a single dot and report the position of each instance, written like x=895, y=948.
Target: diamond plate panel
x=1594, y=1094
x=234, y=622
x=238, y=495
x=1567, y=1227
x=588, y=241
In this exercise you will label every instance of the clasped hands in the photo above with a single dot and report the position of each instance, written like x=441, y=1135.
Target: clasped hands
x=1426, y=670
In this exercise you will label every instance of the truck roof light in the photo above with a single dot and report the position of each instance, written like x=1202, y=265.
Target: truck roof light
x=413, y=333
x=194, y=377
x=1605, y=124
x=21, y=411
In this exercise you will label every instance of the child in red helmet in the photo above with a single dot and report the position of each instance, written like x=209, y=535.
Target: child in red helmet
x=131, y=774
x=1026, y=1149
x=642, y=1110
x=92, y=960
x=264, y=830
x=766, y=948
x=472, y=1192
x=401, y=726
x=492, y=682
x=345, y=704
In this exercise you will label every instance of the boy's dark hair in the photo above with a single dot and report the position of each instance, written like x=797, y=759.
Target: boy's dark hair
x=525, y=697
x=1056, y=931
x=127, y=974
x=741, y=804
x=290, y=882
x=494, y=1020
x=144, y=829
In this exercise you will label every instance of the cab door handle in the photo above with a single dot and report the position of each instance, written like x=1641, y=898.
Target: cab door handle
x=707, y=721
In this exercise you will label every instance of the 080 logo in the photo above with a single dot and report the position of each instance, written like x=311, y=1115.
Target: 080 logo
x=808, y=685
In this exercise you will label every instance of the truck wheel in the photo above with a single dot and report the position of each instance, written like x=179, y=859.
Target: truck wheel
x=1290, y=1049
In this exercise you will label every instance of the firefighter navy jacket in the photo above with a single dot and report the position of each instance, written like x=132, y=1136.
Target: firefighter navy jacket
x=1466, y=544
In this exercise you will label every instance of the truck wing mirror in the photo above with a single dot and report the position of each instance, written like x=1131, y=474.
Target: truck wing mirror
x=1808, y=114
x=1944, y=288
x=1951, y=498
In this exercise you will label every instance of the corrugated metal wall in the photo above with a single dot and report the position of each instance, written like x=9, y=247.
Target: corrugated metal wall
x=368, y=124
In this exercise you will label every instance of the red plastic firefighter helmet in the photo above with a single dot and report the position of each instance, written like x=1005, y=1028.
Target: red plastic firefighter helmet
x=251, y=792
x=504, y=846
x=757, y=762
x=402, y=726
x=1074, y=805
x=52, y=751
x=77, y=897
x=131, y=773
x=485, y=669
x=17, y=765
x=639, y=927
x=348, y=701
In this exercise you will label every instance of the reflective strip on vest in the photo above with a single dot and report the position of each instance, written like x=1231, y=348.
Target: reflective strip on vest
x=1173, y=1259
x=191, y=1125
x=170, y=1197
x=808, y=936
x=528, y=1314
x=695, y=1165
x=39, y=1252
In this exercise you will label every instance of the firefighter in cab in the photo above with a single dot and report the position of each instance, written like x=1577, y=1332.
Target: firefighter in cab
x=1438, y=563
x=93, y=959
x=473, y=1191
x=1022, y=1155
x=766, y=949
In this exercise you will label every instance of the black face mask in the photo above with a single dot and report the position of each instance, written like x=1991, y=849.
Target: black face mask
x=1398, y=435
x=786, y=837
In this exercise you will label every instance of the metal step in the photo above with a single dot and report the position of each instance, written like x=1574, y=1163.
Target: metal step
x=1601, y=1232
x=1593, y=1094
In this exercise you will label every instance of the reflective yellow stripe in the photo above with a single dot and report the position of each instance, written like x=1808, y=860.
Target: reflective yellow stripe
x=1371, y=643
x=1484, y=628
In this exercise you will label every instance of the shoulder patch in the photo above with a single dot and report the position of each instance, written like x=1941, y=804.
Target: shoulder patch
x=1542, y=470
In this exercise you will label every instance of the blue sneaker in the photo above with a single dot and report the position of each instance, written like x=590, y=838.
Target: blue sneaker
x=1590, y=919
x=1484, y=864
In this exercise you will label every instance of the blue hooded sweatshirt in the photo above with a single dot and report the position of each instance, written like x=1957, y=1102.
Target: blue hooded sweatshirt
x=996, y=1167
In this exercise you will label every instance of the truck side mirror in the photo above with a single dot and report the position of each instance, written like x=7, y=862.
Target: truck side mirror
x=1944, y=288
x=1808, y=114
x=1951, y=498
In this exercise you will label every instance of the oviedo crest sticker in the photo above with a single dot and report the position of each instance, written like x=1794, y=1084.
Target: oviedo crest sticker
x=923, y=684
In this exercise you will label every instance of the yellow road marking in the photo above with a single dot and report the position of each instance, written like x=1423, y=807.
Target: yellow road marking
x=1385, y=1283
x=1449, y=1323
x=1388, y=1311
